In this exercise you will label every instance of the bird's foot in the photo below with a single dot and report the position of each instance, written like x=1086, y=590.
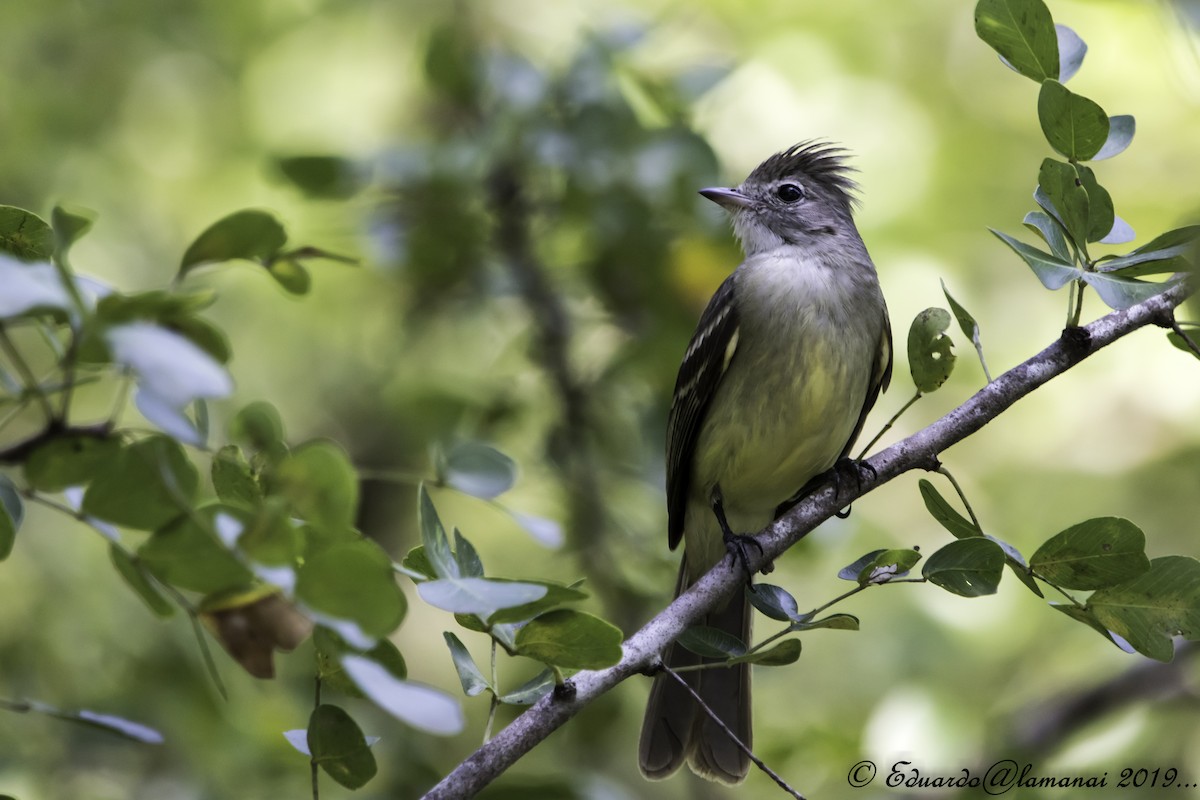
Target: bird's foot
x=736, y=544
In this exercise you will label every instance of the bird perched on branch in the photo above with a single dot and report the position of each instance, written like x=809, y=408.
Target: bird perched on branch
x=786, y=361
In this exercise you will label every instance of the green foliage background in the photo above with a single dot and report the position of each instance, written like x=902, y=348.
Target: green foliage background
x=163, y=118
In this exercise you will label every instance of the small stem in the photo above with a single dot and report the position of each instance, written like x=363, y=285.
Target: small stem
x=839, y=598
x=1075, y=300
x=487, y=730
x=312, y=761
x=1058, y=589
x=1188, y=340
x=888, y=425
x=22, y=367
x=961, y=496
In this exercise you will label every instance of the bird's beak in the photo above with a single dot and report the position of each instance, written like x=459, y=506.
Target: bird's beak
x=730, y=199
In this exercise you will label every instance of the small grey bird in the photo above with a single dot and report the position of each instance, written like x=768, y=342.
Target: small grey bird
x=786, y=361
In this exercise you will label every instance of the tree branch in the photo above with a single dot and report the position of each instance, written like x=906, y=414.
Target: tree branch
x=919, y=451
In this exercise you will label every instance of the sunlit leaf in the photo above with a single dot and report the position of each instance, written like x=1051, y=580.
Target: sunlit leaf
x=1093, y=554
x=253, y=235
x=1050, y=270
x=967, y=567
x=147, y=484
x=338, y=746
x=1148, y=611
x=571, y=639
x=1120, y=133
x=422, y=707
x=1074, y=125
x=472, y=680
x=1022, y=32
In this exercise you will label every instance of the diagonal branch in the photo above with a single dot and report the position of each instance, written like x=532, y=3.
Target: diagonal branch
x=919, y=451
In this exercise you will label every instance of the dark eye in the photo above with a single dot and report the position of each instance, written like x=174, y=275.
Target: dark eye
x=789, y=193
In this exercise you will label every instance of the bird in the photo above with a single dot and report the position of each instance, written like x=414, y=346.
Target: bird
x=787, y=359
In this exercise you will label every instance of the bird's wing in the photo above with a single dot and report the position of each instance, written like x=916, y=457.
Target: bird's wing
x=881, y=376
x=704, y=364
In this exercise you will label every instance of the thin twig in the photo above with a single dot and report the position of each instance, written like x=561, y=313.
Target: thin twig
x=312, y=759
x=22, y=367
x=961, y=495
x=888, y=425
x=1182, y=334
x=758, y=762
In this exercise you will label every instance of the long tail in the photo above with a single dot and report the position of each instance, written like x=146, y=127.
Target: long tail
x=675, y=729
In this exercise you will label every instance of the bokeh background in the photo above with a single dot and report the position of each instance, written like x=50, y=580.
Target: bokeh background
x=603, y=118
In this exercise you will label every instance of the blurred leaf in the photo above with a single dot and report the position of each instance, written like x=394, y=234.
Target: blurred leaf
x=139, y=581
x=1120, y=233
x=271, y=537
x=546, y=532
x=418, y=562
x=1064, y=190
x=291, y=275
x=68, y=227
x=531, y=691
x=1149, y=610
x=710, y=642
x=1093, y=554
x=1022, y=32
x=967, y=567
x=326, y=177
x=1120, y=133
x=420, y=706
x=1119, y=292
x=834, y=622
x=186, y=553
x=330, y=648
x=319, y=480
x=337, y=744
x=1088, y=618
x=782, y=654
x=106, y=722
x=12, y=512
x=1051, y=232
x=556, y=595
x=570, y=639
x=1074, y=125
x=930, y=352
x=252, y=624
x=774, y=601
x=1071, y=51
x=1178, y=342
x=478, y=596
x=298, y=738
x=969, y=327
x=353, y=582
x=258, y=425
x=1052, y=272
x=433, y=537
x=888, y=565
x=251, y=235
x=25, y=236
x=1100, y=208
x=147, y=484
x=472, y=680
x=479, y=470
x=469, y=563
x=29, y=289
x=232, y=479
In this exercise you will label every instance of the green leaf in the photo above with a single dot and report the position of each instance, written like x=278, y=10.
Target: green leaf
x=25, y=235
x=68, y=227
x=1100, y=207
x=1088, y=618
x=139, y=581
x=782, y=654
x=1120, y=133
x=968, y=326
x=1022, y=32
x=570, y=639
x=888, y=565
x=1100, y=552
x=30, y=289
x=1119, y=292
x=251, y=235
x=556, y=595
x=291, y=275
x=258, y=425
x=338, y=746
x=1173, y=243
x=232, y=479
x=418, y=562
x=1063, y=189
x=479, y=470
x=472, y=680
x=469, y=563
x=321, y=484
x=187, y=553
x=69, y=461
x=1051, y=271
x=941, y=510
x=271, y=538
x=774, y=601
x=710, y=642
x=1071, y=51
x=852, y=571
x=1178, y=342
x=330, y=648
x=531, y=691
x=422, y=707
x=1149, y=610
x=353, y=582
x=12, y=512
x=834, y=622
x=479, y=596
x=1121, y=232
x=106, y=722
x=1051, y=232
x=147, y=484
x=433, y=538
x=1074, y=125
x=930, y=352
x=324, y=177
x=967, y=567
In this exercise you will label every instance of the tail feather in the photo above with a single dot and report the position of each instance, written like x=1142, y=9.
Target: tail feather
x=675, y=729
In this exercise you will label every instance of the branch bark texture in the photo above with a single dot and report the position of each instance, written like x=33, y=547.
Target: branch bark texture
x=919, y=451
